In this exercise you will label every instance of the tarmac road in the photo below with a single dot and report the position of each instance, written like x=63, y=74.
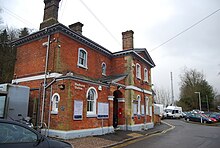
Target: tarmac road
x=183, y=135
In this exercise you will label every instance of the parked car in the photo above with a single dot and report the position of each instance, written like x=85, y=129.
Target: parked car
x=213, y=119
x=15, y=134
x=197, y=118
x=214, y=115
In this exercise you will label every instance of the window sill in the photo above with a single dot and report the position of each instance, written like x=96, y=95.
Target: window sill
x=82, y=66
x=91, y=115
x=54, y=112
x=138, y=78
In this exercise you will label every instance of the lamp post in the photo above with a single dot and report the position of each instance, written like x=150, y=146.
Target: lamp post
x=207, y=102
x=199, y=100
x=199, y=103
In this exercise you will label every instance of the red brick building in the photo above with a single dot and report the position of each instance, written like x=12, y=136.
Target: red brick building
x=78, y=87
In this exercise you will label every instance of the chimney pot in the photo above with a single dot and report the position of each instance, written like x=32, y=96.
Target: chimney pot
x=127, y=40
x=77, y=27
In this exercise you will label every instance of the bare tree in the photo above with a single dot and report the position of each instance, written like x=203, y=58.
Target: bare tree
x=163, y=96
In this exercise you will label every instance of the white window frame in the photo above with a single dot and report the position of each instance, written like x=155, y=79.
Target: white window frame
x=84, y=65
x=93, y=112
x=139, y=104
x=138, y=71
x=103, y=69
x=55, y=102
x=145, y=74
x=147, y=106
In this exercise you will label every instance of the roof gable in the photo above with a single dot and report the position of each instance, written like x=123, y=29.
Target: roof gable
x=141, y=53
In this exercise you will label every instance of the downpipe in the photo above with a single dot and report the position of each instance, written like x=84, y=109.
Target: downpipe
x=45, y=79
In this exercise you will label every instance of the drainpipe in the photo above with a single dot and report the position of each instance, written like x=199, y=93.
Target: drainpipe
x=45, y=79
x=144, y=110
x=49, y=113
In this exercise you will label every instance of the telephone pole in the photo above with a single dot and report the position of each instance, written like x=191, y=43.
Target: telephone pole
x=172, y=96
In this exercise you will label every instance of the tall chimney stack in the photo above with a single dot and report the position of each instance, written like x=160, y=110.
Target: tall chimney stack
x=127, y=40
x=77, y=27
x=50, y=13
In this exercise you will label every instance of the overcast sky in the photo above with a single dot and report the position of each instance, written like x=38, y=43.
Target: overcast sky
x=153, y=22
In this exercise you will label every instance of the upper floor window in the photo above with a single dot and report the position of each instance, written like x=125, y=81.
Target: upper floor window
x=55, y=100
x=138, y=71
x=103, y=68
x=91, y=101
x=145, y=74
x=82, y=58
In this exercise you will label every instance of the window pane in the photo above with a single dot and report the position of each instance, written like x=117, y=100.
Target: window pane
x=88, y=106
x=103, y=68
x=2, y=106
x=91, y=100
x=82, y=57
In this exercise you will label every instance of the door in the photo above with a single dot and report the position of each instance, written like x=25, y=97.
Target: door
x=115, y=112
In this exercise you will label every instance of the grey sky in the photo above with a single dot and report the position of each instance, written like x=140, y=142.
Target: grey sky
x=153, y=22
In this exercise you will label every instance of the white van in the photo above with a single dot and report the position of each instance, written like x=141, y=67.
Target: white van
x=173, y=112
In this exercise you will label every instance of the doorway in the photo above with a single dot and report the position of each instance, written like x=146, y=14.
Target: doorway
x=117, y=94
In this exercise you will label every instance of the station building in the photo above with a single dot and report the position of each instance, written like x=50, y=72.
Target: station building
x=78, y=87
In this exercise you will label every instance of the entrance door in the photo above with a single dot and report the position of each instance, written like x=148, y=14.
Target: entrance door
x=115, y=112
x=117, y=94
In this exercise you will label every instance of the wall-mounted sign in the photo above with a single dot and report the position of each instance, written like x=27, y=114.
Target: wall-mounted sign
x=79, y=86
x=134, y=109
x=103, y=110
x=142, y=109
x=78, y=110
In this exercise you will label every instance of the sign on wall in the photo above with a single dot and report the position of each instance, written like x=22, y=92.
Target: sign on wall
x=78, y=110
x=134, y=109
x=103, y=110
x=142, y=109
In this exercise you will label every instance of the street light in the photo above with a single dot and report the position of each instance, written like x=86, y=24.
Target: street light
x=199, y=100
x=199, y=104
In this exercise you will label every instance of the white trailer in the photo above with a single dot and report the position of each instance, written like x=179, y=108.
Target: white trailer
x=14, y=100
x=158, y=109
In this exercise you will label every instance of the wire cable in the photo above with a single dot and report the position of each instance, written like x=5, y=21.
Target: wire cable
x=100, y=22
x=19, y=18
x=62, y=10
x=190, y=27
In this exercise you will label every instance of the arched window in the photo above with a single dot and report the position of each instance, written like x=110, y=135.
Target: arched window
x=145, y=75
x=55, y=101
x=103, y=69
x=82, y=58
x=91, y=101
x=138, y=71
x=139, y=105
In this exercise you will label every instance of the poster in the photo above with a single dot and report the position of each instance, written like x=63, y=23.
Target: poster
x=78, y=110
x=103, y=110
x=134, y=109
x=142, y=109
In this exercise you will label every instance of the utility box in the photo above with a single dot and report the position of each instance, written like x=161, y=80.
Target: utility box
x=14, y=100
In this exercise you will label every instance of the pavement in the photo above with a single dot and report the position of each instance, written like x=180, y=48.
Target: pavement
x=118, y=137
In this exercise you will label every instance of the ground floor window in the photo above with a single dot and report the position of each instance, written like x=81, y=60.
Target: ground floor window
x=91, y=101
x=55, y=101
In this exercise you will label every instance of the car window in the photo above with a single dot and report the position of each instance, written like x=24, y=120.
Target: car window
x=10, y=133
